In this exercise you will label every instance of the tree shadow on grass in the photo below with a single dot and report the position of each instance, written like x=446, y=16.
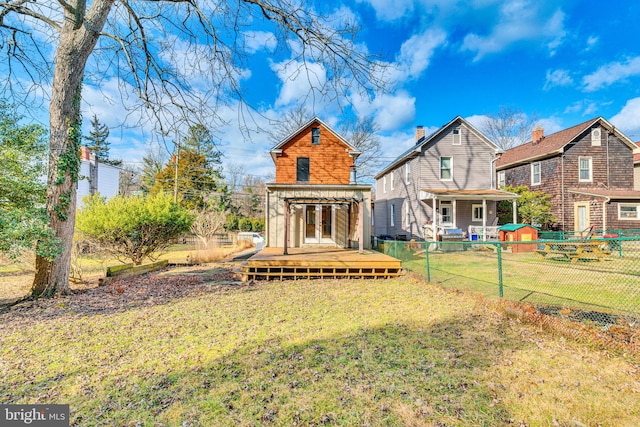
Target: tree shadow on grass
x=391, y=375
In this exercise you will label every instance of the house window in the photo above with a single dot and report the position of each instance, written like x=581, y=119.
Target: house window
x=445, y=213
x=446, y=170
x=535, y=173
x=384, y=184
x=501, y=181
x=392, y=214
x=391, y=176
x=302, y=169
x=628, y=211
x=585, y=169
x=596, y=137
x=315, y=136
x=476, y=213
x=407, y=172
x=457, y=139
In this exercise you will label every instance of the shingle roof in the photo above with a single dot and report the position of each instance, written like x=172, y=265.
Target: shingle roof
x=550, y=144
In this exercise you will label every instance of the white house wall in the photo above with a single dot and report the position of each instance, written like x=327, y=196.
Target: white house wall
x=108, y=181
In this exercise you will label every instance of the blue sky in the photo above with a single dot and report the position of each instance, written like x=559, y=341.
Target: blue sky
x=560, y=61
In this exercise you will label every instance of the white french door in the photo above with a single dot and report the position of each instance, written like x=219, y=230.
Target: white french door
x=319, y=224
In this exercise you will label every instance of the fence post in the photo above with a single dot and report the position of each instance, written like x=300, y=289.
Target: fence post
x=426, y=255
x=499, y=251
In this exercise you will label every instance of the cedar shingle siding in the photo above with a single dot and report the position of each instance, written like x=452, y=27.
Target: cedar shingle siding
x=329, y=161
x=611, y=169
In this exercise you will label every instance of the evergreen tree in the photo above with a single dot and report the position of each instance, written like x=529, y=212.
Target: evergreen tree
x=199, y=178
x=98, y=143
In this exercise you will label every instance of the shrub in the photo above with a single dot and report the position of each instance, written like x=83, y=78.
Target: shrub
x=132, y=227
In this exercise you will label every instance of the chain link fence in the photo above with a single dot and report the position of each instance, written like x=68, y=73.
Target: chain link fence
x=591, y=279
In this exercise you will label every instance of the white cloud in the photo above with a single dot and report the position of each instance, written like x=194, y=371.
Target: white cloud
x=591, y=42
x=416, y=53
x=390, y=111
x=519, y=21
x=550, y=125
x=557, y=78
x=611, y=73
x=628, y=119
x=298, y=80
x=390, y=10
x=477, y=121
x=258, y=40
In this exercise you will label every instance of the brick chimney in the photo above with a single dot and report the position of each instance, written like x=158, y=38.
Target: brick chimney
x=419, y=133
x=85, y=154
x=537, y=135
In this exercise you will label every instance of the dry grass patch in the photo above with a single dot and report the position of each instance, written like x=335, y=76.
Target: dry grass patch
x=345, y=352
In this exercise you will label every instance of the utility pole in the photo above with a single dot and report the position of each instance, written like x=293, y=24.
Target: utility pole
x=177, y=159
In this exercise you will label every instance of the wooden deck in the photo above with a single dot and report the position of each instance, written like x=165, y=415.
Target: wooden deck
x=319, y=263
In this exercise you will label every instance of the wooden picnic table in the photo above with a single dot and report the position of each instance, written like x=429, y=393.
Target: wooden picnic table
x=576, y=249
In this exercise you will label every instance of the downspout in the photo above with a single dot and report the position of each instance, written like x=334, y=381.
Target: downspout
x=604, y=214
x=562, y=188
x=608, y=171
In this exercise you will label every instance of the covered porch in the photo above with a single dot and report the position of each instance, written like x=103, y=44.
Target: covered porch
x=446, y=211
x=312, y=216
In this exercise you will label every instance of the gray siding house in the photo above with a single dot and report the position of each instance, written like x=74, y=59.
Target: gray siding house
x=446, y=180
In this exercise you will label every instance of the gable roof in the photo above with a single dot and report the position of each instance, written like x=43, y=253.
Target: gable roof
x=277, y=149
x=417, y=148
x=554, y=144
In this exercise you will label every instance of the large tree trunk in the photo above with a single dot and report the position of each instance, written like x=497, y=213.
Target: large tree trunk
x=78, y=37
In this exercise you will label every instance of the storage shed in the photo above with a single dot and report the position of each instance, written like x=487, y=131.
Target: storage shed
x=519, y=233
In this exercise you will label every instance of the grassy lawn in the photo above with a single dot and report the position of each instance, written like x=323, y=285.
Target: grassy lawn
x=610, y=286
x=345, y=352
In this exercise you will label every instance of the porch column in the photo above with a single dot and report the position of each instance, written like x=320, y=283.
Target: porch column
x=454, y=213
x=515, y=211
x=484, y=220
x=435, y=221
x=287, y=219
x=361, y=226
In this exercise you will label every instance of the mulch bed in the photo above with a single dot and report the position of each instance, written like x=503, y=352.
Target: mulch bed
x=120, y=295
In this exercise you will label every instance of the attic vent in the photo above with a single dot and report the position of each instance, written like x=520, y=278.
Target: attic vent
x=456, y=137
x=596, y=137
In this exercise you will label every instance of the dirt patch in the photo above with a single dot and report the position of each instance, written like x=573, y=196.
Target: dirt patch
x=124, y=294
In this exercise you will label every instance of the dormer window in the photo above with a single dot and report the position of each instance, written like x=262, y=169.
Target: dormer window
x=315, y=136
x=596, y=137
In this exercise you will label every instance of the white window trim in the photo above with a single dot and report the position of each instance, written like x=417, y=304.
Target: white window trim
x=473, y=211
x=450, y=168
x=539, y=173
x=407, y=172
x=391, y=175
x=392, y=214
x=637, y=206
x=384, y=184
x=501, y=179
x=590, y=179
x=457, y=136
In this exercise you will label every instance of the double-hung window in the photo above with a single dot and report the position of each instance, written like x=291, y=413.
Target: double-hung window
x=585, y=169
x=476, y=212
x=446, y=168
x=501, y=179
x=535, y=173
x=407, y=172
